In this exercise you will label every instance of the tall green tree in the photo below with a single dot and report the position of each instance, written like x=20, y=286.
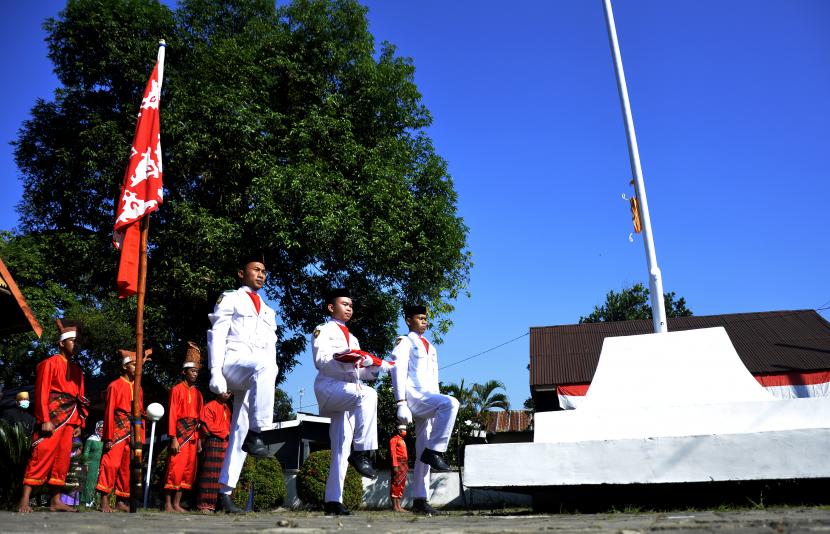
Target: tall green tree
x=284, y=130
x=633, y=303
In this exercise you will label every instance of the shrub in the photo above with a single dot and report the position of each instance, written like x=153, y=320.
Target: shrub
x=268, y=480
x=311, y=481
x=14, y=453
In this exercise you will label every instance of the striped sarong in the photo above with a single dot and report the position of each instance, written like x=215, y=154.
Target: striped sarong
x=398, y=482
x=213, y=455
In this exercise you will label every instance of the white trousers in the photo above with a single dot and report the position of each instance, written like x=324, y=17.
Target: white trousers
x=252, y=378
x=434, y=416
x=353, y=410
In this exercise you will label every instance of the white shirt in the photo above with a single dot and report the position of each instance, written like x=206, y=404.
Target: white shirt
x=238, y=326
x=416, y=368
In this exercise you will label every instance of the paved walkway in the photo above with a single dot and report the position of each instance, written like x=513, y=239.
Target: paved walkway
x=777, y=521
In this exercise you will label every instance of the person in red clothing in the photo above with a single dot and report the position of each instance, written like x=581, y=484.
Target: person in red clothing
x=183, y=428
x=115, y=463
x=400, y=466
x=215, y=428
x=60, y=410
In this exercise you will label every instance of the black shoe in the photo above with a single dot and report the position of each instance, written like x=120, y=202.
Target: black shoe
x=335, y=508
x=422, y=507
x=435, y=460
x=228, y=506
x=254, y=445
x=360, y=461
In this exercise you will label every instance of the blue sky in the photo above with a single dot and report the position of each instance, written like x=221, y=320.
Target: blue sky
x=730, y=102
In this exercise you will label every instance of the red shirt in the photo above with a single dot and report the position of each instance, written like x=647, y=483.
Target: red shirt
x=185, y=401
x=51, y=375
x=397, y=449
x=119, y=399
x=216, y=419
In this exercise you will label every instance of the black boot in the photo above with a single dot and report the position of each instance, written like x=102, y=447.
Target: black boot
x=435, y=460
x=360, y=461
x=422, y=507
x=254, y=445
x=228, y=506
x=335, y=508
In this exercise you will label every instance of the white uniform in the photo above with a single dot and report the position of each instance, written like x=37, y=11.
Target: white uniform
x=351, y=405
x=242, y=346
x=415, y=379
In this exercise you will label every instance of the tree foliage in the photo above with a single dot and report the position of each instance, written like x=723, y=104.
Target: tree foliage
x=633, y=303
x=474, y=403
x=284, y=130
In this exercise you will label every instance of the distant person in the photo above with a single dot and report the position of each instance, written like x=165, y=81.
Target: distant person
x=341, y=396
x=215, y=428
x=19, y=413
x=115, y=463
x=93, y=449
x=242, y=355
x=60, y=411
x=400, y=467
x=183, y=429
x=416, y=392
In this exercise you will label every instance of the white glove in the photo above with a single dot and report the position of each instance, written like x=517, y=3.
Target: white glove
x=386, y=366
x=404, y=414
x=367, y=361
x=218, y=384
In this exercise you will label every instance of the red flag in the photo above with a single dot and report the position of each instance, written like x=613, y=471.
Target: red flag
x=141, y=193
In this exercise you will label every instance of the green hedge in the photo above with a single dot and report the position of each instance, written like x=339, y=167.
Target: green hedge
x=268, y=480
x=14, y=453
x=311, y=482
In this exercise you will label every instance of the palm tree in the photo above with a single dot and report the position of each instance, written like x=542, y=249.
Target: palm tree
x=485, y=398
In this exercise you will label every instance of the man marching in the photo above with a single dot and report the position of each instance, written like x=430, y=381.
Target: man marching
x=341, y=396
x=400, y=467
x=183, y=429
x=215, y=428
x=415, y=388
x=60, y=410
x=115, y=463
x=242, y=356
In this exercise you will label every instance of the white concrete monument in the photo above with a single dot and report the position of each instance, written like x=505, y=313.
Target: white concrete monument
x=664, y=408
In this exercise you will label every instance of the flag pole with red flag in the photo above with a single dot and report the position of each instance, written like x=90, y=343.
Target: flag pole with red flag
x=140, y=195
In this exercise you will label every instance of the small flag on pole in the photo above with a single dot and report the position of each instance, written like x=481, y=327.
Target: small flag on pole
x=141, y=193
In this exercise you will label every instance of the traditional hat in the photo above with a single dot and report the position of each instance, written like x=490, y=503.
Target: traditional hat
x=193, y=358
x=128, y=356
x=401, y=427
x=336, y=293
x=66, y=331
x=22, y=395
x=414, y=309
x=251, y=257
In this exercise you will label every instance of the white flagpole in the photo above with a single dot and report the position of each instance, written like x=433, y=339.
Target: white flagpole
x=655, y=278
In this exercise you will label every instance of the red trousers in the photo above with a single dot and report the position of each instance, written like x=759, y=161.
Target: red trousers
x=49, y=462
x=115, y=470
x=398, y=482
x=181, y=467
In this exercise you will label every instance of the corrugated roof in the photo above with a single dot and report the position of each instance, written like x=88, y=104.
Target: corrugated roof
x=767, y=342
x=508, y=421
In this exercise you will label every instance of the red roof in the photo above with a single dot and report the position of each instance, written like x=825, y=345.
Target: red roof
x=509, y=421
x=767, y=342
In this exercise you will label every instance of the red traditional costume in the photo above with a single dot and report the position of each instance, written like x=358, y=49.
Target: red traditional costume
x=115, y=464
x=400, y=465
x=215, y=428
x=185, y=405
x=59, y=399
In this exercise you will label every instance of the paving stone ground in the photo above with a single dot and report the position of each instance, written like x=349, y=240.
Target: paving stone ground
x=772, y=520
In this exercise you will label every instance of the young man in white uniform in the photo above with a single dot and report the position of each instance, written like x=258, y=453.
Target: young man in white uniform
x=341, y=396
x=243, y=360
x=415, y=387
